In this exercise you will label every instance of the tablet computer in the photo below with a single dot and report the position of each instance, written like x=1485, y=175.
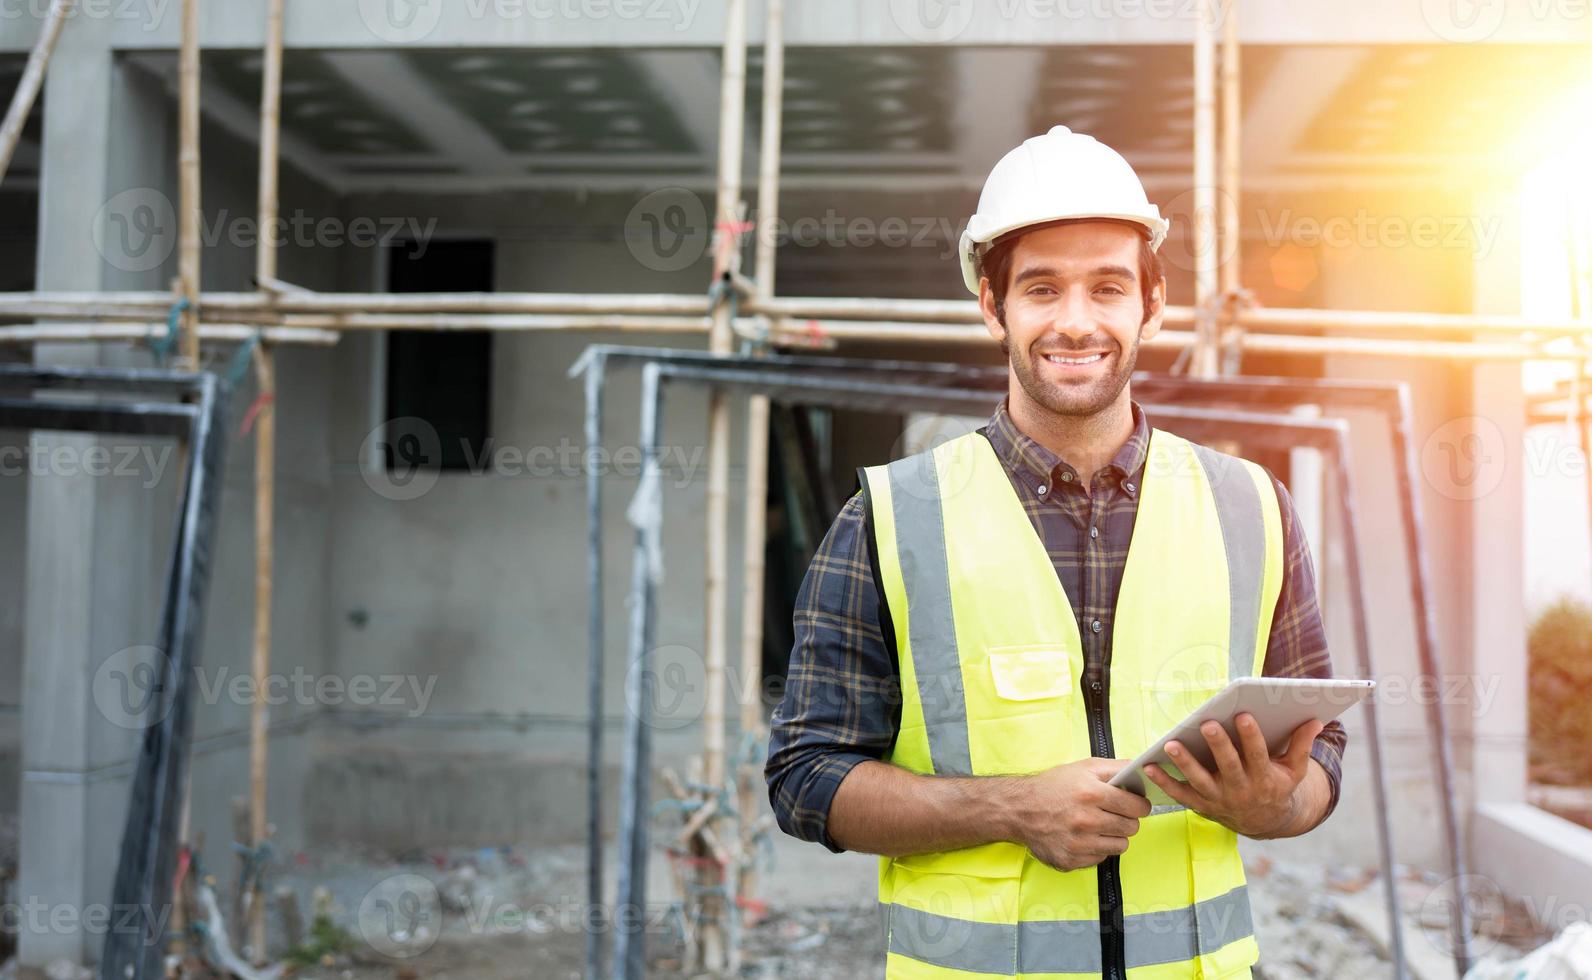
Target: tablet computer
x=1279, y=704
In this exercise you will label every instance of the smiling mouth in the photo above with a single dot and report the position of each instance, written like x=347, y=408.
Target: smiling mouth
x=1080, y=361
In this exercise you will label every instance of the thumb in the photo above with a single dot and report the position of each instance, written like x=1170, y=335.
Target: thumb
x=1298, y=755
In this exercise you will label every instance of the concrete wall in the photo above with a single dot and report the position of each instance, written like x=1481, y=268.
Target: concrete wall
x=99, y=546
x=478, y=586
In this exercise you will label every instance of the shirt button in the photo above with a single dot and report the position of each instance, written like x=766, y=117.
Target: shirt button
x=1094, y=532
x=1066, y=478
x=1128, y=487
x=1095, y=626
x=1041, y=490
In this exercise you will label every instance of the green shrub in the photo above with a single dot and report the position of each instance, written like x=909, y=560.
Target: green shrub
x=1559, y=705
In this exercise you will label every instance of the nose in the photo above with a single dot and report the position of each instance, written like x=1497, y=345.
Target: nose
x=1074, y=316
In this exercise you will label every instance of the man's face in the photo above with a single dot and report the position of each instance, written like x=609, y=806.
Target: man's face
x=1074, y=315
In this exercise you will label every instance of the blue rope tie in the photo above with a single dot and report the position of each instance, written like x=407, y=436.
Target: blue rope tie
x=240, y=360
x=161, y=346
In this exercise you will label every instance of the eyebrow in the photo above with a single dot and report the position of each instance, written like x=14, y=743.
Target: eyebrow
x=1100, y=272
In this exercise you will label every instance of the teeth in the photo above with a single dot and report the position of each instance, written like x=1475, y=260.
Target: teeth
x=1058, y=359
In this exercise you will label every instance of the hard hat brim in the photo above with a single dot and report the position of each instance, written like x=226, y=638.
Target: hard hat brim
x=1155, y=228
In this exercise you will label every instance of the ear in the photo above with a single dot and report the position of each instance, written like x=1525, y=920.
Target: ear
x=986, y=306
x=1152, y=325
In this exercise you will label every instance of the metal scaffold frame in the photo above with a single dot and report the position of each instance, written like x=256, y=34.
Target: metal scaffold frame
x=1215, y=330
x=1245, y=409
x=151, y=837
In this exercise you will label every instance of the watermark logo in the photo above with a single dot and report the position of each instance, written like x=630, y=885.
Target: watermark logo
x=401, y=21
x=670, y=691
x=1201, y=237
x=930, y=21
x=1464, y=21
x=136, y=230
x=401, y=916
x=129, y=688
x=1465, y=458
x=667, y=230
x=411, y=458
x=922, y=470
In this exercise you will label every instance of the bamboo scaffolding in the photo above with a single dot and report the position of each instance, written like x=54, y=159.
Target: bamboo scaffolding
x=283, y=315
x=754, y=534
x=787, y=332
x=810, y=333
x=714, y=951
x=671, y=311
x=1231, y=191
x=189, y=219
x=264, y=466
x=1203, y=363
x=230, y=333
x=32, y=80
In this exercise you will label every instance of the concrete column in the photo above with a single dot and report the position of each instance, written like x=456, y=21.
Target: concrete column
x=1494, y=448
x=57, y=707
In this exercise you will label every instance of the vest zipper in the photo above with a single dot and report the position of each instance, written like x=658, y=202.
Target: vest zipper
x=1113, y=955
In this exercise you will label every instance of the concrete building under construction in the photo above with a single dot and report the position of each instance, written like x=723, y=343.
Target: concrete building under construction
x=1373, y=198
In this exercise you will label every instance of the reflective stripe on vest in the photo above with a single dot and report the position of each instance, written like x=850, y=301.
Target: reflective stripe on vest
x=991, y=667
x=1068, y=945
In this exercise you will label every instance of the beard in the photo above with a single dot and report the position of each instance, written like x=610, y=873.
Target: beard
x=1081, y=398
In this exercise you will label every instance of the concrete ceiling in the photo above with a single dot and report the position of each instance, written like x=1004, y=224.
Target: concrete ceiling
x=921, y=117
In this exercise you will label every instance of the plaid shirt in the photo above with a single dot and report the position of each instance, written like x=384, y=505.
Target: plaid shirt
x=842, y=701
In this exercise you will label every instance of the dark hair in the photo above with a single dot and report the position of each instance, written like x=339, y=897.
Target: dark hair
x=996, y=264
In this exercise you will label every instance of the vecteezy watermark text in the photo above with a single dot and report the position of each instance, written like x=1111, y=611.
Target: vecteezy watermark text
x=147, y=462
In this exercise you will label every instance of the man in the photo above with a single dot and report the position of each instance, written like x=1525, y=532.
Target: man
x=990, y=629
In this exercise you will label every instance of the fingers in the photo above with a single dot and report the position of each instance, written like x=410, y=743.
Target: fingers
x=1200, y=778
x=1104, y=769
x=1102, y=845
x=1252, y=745
x=1180, y=792
x=1113, y=825
x=1297, y=758
x=1123, y=803
x=1228, y=762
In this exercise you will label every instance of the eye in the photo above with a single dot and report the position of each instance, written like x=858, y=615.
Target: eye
x=1111, y=289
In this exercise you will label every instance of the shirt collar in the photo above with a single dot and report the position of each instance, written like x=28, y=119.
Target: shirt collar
x=1023, y=455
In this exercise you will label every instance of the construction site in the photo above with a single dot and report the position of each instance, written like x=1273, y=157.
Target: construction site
x=417, y=419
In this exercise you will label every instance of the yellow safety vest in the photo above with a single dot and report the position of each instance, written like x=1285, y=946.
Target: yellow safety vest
x=991, y=666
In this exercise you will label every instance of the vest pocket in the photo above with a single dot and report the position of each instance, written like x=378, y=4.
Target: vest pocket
x=1030, y=673
x=1022, y=714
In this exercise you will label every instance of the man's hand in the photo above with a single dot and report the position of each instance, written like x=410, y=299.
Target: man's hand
x=1250, y=792
x=1070, y=818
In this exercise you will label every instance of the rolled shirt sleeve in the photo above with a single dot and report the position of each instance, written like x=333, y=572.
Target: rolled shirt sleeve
x=1298, y=643
x=842, y=693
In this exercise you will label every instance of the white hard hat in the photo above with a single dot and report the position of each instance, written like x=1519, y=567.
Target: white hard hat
x=1059, y=175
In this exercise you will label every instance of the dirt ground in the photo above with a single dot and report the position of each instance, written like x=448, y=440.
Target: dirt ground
x=517, y=914
x=504, y=913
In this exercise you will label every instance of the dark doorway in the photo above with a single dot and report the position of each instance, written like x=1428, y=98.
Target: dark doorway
x=443, y=376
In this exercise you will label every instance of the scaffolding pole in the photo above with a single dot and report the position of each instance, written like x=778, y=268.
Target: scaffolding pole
x=754, y=530
x=32, y=80
x=190, y=217
x=1231, y=193
x=1203, y=363
x=264, y=481
x=713, y=950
